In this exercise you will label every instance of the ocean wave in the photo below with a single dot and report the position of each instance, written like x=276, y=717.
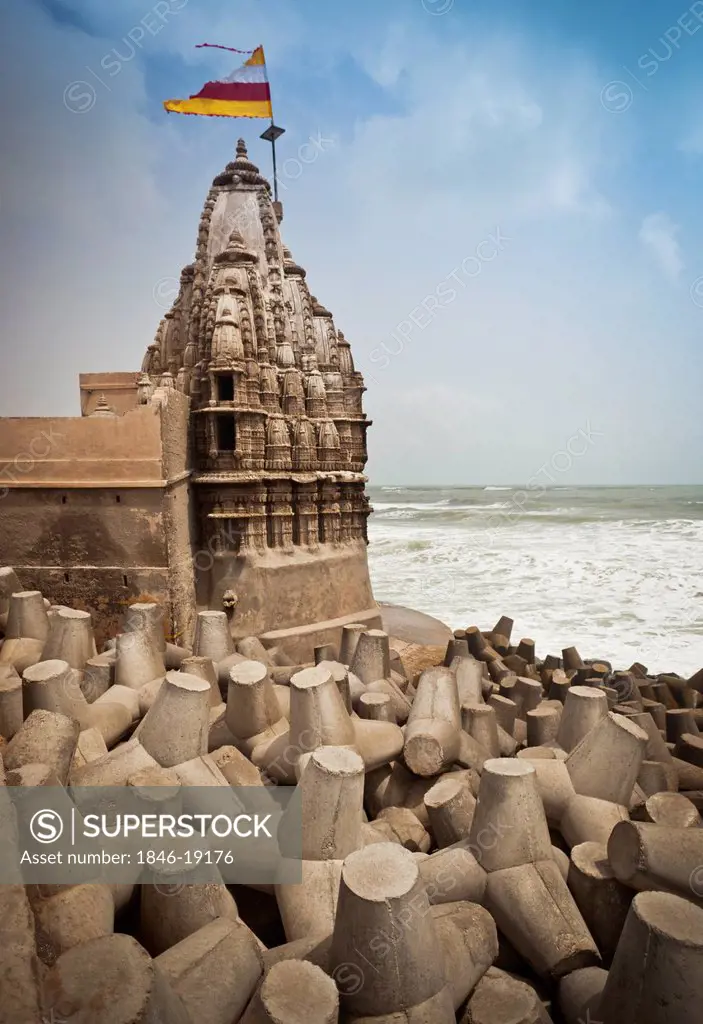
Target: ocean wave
x=492, y=488
x=614, y=573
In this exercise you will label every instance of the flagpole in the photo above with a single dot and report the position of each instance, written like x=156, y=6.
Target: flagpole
x=272, y=133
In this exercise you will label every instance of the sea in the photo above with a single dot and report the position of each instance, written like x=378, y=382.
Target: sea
x=615, y=571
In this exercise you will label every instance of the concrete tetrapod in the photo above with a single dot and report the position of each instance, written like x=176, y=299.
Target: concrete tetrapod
x=450, y=807
x=378, y=743
x=332, y=785
x=453, y=874
x=469, y=942
x=657, y=777
x=195, y=665
x=376, y=707
x=480, y=722
x=670, y=809
x=27, y=616
x=20, y=969
x=432, y=740
x=112, y=980
x=45, y=738
x=399, y=700
x=589, y=820
x=646, y=856
x=554, y=786
x=21, y=653
x=385, y=940
x=394, y=786
x=500, y=998
x=527, y=694
x=53, y=686
x=506, y=711
x=115, y=768
x=509, y=825
x=215, y=970
x=324, y=652
x=535, y=911
x=294, y=992
x=350, y=638
x=469, y=680
x=11, y=706
x=171, y=909
x=175, y=728
x=310, y=907
x=137, y=660
x=236, y=768
x=542, y=725
x=212, y=636
x=318, y=714
x=350, y=687
x=147, y=617
x=657, y=973
x=158, y=790
x=72, y=916
x=320, y=718
x=70, y=638
x=580, y=994
x=253, y=713
x=583, y=709
x=405, y=828
x=9, y=585
x=371, y=659
x=90, y=747
x=606, y=762
x=603, y=901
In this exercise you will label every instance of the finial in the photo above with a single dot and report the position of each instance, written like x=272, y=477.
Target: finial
x=102, y=408
x=241, y=150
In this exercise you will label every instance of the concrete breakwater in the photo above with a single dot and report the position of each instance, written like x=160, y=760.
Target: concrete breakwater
x=490, y=834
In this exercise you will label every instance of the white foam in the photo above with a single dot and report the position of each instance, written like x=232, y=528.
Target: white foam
x=623, y=590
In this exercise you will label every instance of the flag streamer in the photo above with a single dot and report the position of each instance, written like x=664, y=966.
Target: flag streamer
x=244, y=93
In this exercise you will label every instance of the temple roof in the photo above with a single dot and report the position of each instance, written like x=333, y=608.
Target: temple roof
x=245, y=314
x=241, y=171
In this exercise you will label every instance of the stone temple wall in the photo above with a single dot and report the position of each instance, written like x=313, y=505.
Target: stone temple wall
x=86, y=505
x=278, y=431
x=228, y=473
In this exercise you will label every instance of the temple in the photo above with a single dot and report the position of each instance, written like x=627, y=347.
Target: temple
x=228, y=473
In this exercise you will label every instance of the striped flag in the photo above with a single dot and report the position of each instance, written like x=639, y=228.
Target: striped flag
x=244, y=93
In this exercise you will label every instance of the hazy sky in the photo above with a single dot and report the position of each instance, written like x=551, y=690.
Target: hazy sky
x=501, y=204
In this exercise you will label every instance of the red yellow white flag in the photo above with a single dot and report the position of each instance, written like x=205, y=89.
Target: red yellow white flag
x=244, y=93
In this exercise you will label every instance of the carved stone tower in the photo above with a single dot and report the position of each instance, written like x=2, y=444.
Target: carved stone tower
x=276, y=427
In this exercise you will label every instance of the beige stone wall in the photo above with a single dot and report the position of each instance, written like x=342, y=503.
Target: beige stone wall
x=281, y=591
x=80, y=452
x=91, y=551
x=119, y=389
x=178, y=527
x=94, y=511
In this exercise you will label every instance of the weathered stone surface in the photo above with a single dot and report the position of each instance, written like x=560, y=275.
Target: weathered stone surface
x=20, y=971
x=112, y=980
x=500, y=998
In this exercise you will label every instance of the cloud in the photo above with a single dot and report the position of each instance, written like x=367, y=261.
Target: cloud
x=658, y=235
x=439, y=142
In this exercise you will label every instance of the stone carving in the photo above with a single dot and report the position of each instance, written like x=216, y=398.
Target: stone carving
x=278, y=431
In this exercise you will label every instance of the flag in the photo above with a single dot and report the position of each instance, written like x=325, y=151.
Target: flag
x=244, y=93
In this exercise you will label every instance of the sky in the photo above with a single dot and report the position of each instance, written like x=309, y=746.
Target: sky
x=501, y=205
